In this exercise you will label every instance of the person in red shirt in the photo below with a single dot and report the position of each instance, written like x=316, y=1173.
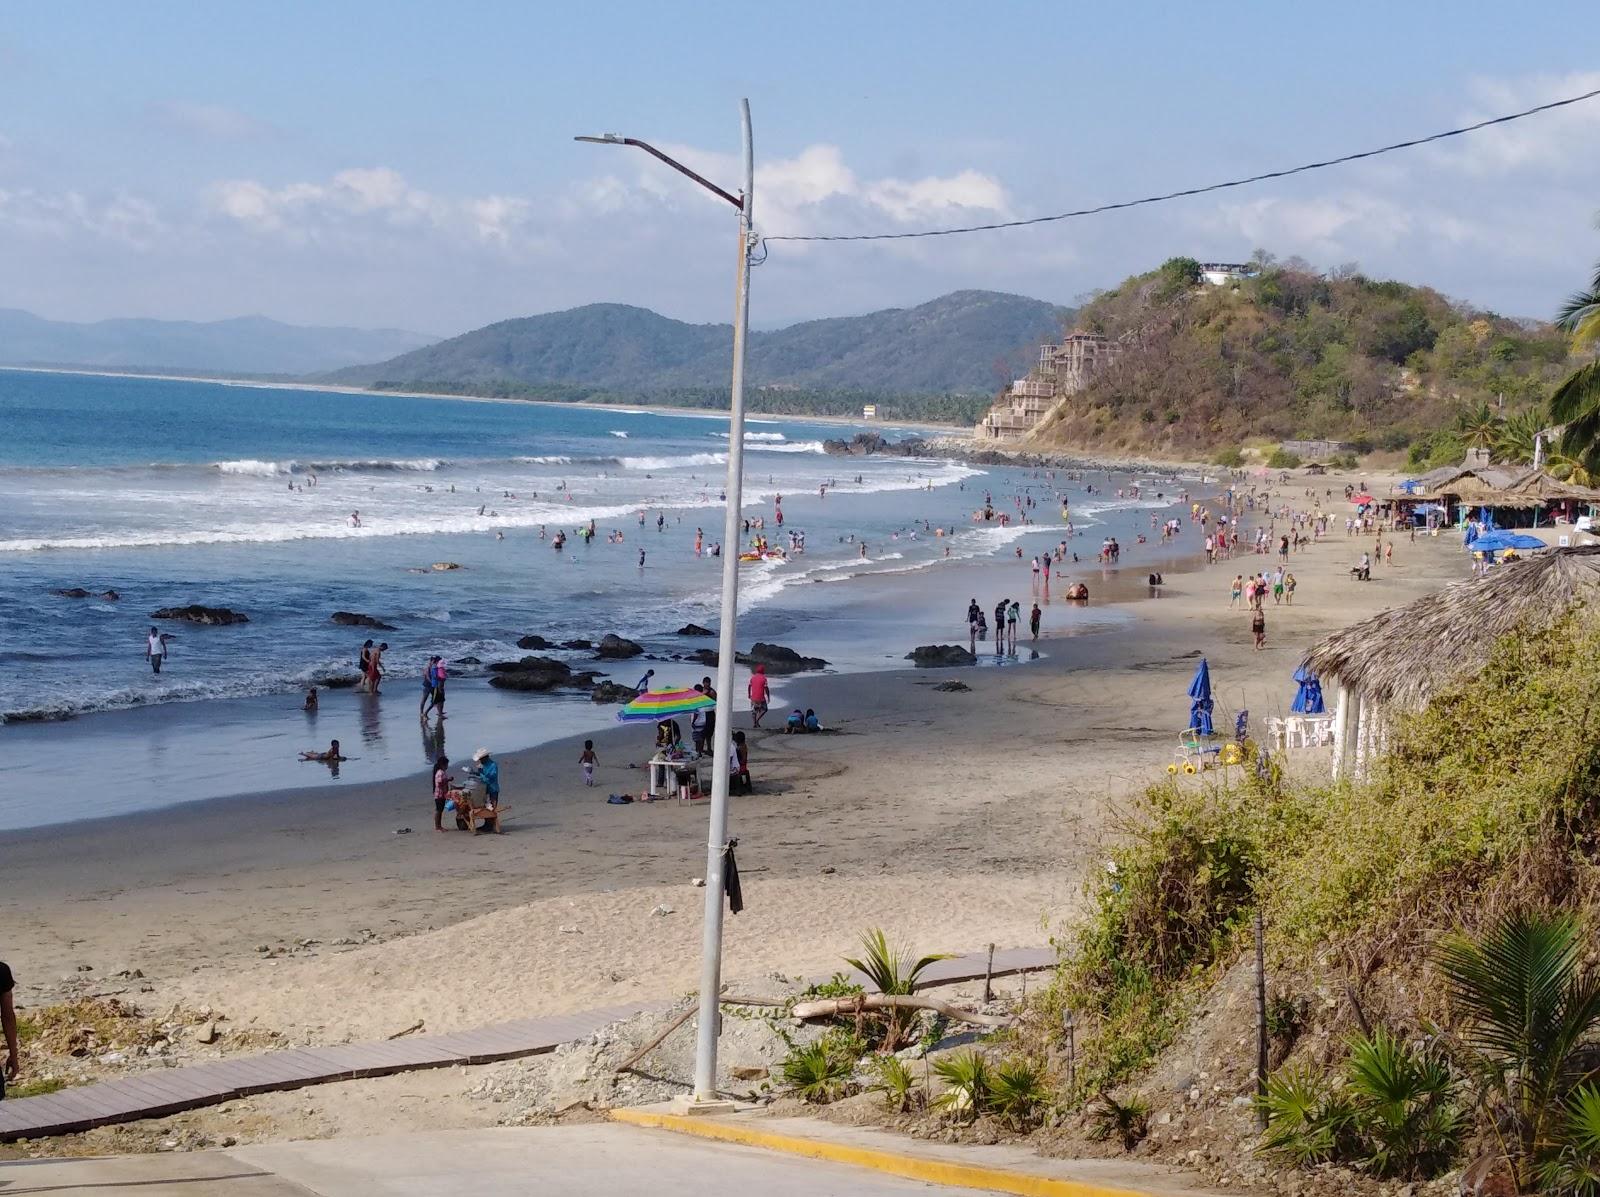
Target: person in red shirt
x=760, y=695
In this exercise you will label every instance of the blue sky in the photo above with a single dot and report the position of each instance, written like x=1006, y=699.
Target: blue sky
x=410, y=164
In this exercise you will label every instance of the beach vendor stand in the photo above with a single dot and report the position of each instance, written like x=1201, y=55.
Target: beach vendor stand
x=670, y=767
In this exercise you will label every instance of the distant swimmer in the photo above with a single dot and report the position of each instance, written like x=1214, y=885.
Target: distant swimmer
x=641, y=558
x=355, y=519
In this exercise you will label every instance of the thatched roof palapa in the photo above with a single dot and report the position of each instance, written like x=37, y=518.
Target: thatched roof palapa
x=1402, y=657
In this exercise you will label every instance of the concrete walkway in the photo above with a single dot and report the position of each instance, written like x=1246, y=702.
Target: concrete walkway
x=156, y=1092
x=594, y=1160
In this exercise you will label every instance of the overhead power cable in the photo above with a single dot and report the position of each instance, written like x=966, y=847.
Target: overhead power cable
x=1188, y=191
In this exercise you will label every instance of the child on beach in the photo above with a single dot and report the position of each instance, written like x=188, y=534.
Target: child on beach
x=330, y=757
x=588, y=759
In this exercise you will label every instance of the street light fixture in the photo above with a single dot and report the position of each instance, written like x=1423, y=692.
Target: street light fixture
x=710, y=1016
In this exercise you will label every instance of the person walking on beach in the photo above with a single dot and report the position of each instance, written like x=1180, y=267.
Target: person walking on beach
x=1034, y=617
x=1258, y=628
x=427, y=687
x=644, y=682
x=364, y=664
x=1238, y=590
x=1013, y=617
x=375, y=667
x=1000, y=626
x=8, y=1024
x=760, y=695
x=155, y=648
x=588, y=760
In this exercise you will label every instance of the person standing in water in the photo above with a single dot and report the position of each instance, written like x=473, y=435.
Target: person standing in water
x=1033, y=620
x=375, y=667
x=364, y=664
x=155, y=649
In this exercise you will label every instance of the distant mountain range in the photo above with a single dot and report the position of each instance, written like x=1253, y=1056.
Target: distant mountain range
x=961, y=343
x=247, y=345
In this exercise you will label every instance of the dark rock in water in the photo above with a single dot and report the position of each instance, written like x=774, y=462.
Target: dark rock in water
x=339, y=681
x=612, y=692
x=195, y=613
x=72, y=592
x=779, y=659
x=537, y=642
x=467, y=661
x=693, y=629
x=355, y=619
x=953, y=687
x=533, y=665
x=577, y=644
x=531, y=674
x=614, y=648
x=865, y=444
x=703, y=656
x=110, y=596
x=933, y=656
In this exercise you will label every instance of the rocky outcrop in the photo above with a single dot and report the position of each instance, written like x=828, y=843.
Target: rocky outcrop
x=868, y=444
x=195, y=613
x=693, y=629
x=612, y=692
x=338, y=681
x=537, y=674
x=538, y=643
x=703, y=656
x=935, y=656
x=614, y=648
x=442, y=566
x=355, y=619
x=779, y=659
x=75, y=592
x=579, y=644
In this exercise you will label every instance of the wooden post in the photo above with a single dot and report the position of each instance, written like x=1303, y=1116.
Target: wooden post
x=1262, y=1057
x=988, y=974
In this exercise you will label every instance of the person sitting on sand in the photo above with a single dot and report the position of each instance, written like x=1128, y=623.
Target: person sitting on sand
x=796, y=722
x=331, y=757
x=813, y=724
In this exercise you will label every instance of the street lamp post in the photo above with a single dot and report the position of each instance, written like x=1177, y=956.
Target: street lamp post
x=710, y=1017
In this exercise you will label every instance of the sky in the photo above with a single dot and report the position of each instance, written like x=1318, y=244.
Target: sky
x=411, y=165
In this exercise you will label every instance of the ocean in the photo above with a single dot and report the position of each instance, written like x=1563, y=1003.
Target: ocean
x=172, y=492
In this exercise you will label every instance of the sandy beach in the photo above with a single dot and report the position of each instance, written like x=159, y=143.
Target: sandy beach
x=952, y=818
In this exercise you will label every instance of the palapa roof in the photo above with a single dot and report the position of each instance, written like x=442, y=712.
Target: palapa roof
x=1405, y=655
x=1500, y=486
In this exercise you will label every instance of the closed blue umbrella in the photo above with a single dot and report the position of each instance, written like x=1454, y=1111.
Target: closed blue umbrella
x=1200, y=705
x=1308, y=693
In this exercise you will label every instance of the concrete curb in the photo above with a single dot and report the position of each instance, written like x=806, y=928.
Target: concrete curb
x=933, y=1171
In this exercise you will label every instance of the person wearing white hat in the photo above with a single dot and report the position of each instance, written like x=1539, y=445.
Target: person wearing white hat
x=488, y=770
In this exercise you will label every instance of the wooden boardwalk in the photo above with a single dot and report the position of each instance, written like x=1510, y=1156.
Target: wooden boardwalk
x=156, y=1092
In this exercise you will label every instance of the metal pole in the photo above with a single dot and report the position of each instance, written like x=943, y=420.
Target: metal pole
x=705, y=1058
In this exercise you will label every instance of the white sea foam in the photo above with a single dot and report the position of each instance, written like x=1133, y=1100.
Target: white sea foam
x=619, y=432
x=754, y=436
x=269, y=469
x=668, y=463
x=796, y=447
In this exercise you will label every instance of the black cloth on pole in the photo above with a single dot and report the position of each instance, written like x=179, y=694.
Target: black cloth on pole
x=730, y=879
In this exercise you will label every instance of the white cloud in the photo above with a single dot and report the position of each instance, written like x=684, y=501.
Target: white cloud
x=120, y=218
x=1560, y=142
x=364, y=202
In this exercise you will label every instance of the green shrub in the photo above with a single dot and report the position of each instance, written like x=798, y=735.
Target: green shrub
x=820, y=1071
x=1395, y=1114
x=1018, y=1094
x=891, y=971
x=895, y=1082
x=966, y=1083
x=1231, y=458
x=1282, y=459
x=1574, y=1164
x=1128, y=1122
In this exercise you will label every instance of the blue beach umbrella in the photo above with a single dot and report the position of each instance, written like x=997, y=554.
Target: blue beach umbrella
x=1200, y=705
x=1308, y=693
x=1498, y=541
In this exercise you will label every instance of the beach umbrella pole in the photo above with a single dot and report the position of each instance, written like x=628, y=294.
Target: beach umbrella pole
x=709, y=1023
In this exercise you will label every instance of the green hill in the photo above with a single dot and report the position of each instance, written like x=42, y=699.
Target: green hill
x=1293, y=353
x=958, y=344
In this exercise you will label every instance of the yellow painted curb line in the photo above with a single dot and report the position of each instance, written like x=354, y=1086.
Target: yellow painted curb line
x=934, y=1171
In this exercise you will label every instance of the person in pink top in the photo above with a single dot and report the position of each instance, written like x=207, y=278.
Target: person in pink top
x=760, y=695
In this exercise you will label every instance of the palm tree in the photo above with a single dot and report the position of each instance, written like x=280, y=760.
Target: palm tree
x=1531, y=1006
x=1478, y=426
x=1576, y=402
x=1569, y=469
x=1513, y=440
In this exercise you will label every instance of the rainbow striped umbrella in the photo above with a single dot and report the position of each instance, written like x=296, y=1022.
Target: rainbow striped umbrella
x=655, y=705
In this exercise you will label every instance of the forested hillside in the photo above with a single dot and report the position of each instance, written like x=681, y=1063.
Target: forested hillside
x=959, y=344
x=1295, y=353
